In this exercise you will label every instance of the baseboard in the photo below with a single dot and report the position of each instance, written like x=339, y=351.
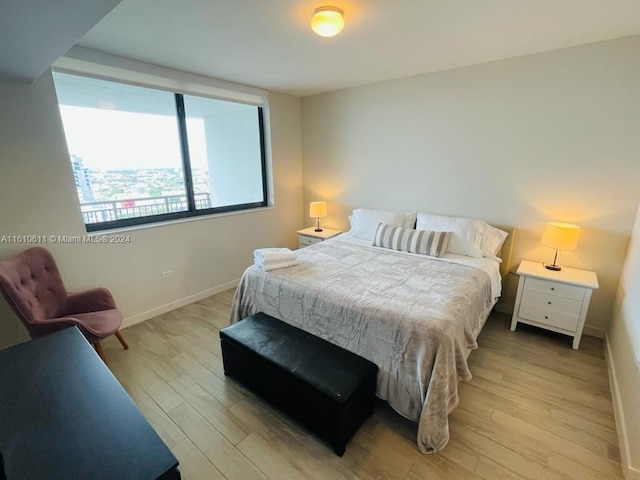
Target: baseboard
x=628, y=472
x=154, y=312
x=593, y=331
x=504, y=308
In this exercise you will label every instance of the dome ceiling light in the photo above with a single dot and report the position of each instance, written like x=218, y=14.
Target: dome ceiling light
x=327, y=21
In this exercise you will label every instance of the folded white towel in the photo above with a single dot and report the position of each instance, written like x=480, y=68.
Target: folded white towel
x=272, y=258
x=267, y=266
x=267, y=255
x=271, y=250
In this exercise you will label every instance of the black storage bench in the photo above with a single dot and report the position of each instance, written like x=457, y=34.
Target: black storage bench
x=325, y=387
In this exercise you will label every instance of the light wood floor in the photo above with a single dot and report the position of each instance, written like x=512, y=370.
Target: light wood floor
x=535, y=409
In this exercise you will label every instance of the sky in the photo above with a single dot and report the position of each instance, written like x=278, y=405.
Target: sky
x=115, y=140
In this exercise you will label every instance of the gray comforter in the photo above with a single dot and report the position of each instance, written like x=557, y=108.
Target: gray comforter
x=415, y=317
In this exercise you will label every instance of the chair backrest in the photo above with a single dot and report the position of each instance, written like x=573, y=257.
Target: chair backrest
x=33, y=288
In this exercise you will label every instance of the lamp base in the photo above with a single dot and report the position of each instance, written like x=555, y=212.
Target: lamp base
x=554, y=267
x=318, y=230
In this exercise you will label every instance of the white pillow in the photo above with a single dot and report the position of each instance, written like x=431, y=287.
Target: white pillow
x=466, y=233
x=364, y=222
x=492, y=240
x=471, y=237
x=410, y=220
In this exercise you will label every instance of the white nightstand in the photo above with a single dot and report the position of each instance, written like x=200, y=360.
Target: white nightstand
x=557, y=301
x=309, y=236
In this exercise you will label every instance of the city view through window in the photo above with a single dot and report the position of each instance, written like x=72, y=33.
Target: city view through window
x=127, y=159
x=133, y=170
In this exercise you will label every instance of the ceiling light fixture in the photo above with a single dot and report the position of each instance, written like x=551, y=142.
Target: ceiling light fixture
x=327, y=21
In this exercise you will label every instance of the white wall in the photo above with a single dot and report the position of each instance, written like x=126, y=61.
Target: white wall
x=623, y=346
x=520, y=142
x=37, y=196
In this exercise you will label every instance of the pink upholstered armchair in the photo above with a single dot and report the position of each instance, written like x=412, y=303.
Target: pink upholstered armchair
x=33, y=288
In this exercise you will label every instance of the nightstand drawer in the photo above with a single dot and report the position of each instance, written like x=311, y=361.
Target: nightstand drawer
x=551, y=302
x=305, y=241
x=554, y=288
x=549, y=317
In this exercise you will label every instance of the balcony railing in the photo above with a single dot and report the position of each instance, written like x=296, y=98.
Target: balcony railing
x=96, y=212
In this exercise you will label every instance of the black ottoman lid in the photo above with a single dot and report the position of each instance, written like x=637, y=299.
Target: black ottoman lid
x=327, y=367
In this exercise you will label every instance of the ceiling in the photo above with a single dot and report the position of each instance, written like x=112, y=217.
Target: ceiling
x=269, y=43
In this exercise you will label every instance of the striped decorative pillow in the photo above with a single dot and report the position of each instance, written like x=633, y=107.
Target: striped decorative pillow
x=413, y=241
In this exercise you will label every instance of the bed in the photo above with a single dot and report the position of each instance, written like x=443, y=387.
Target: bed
x=416, y=317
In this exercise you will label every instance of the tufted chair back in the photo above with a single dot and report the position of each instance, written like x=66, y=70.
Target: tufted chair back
x=33, y=288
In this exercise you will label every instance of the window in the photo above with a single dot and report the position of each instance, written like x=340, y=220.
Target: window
x=141, y=155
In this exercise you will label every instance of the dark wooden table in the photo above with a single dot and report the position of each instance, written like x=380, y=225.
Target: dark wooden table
x=63, y=415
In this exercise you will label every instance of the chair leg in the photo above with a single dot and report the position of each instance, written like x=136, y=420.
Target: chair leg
x=98, y=348
x=121, y=338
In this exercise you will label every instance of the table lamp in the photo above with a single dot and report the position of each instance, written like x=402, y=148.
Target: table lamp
x=561, y=236
x=318, y=210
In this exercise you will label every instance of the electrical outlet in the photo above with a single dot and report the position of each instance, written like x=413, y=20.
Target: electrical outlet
x=637, y=359
x=167, y=274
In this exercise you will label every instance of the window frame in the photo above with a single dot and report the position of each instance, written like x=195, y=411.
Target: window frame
x=186, y=166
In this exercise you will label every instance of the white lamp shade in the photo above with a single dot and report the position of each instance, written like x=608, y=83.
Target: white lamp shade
x=561, y=236
x=327, y=21
x=318, y=209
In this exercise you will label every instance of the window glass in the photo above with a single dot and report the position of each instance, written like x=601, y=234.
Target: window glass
x=140, y=155
x=225, y=151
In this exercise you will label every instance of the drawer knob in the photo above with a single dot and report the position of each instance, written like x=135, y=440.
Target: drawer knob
x=549, y=303
x=546, y=318
x=553, y=288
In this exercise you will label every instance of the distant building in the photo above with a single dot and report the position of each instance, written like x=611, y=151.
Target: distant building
x=83, y=182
